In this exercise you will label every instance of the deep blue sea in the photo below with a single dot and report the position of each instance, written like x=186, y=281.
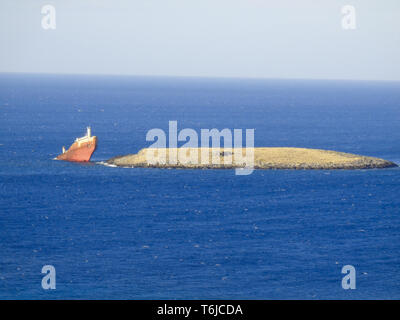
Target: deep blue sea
x=124, y=233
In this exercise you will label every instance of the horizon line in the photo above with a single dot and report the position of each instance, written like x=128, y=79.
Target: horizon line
x=191, y=76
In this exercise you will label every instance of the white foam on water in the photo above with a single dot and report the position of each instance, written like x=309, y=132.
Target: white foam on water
x=106, y=164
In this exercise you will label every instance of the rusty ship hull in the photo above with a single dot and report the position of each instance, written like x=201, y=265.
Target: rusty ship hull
x=81, y=150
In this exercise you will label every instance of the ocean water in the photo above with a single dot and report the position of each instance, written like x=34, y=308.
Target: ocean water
x=120, y=233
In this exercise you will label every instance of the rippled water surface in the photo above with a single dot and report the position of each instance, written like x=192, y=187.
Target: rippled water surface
x=156, y=233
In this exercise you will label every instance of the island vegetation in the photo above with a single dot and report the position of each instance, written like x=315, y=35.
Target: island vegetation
x=261, y=158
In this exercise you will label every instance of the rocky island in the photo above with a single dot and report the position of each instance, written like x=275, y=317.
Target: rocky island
x=263, y=158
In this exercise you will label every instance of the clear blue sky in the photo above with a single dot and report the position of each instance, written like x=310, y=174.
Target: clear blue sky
x=213, y=38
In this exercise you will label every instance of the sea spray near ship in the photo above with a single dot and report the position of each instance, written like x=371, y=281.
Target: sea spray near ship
x=81, y=150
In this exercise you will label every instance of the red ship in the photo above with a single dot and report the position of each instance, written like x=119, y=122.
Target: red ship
x=81, y=150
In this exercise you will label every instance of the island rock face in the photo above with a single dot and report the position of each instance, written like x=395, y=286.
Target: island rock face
x=264, y=158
